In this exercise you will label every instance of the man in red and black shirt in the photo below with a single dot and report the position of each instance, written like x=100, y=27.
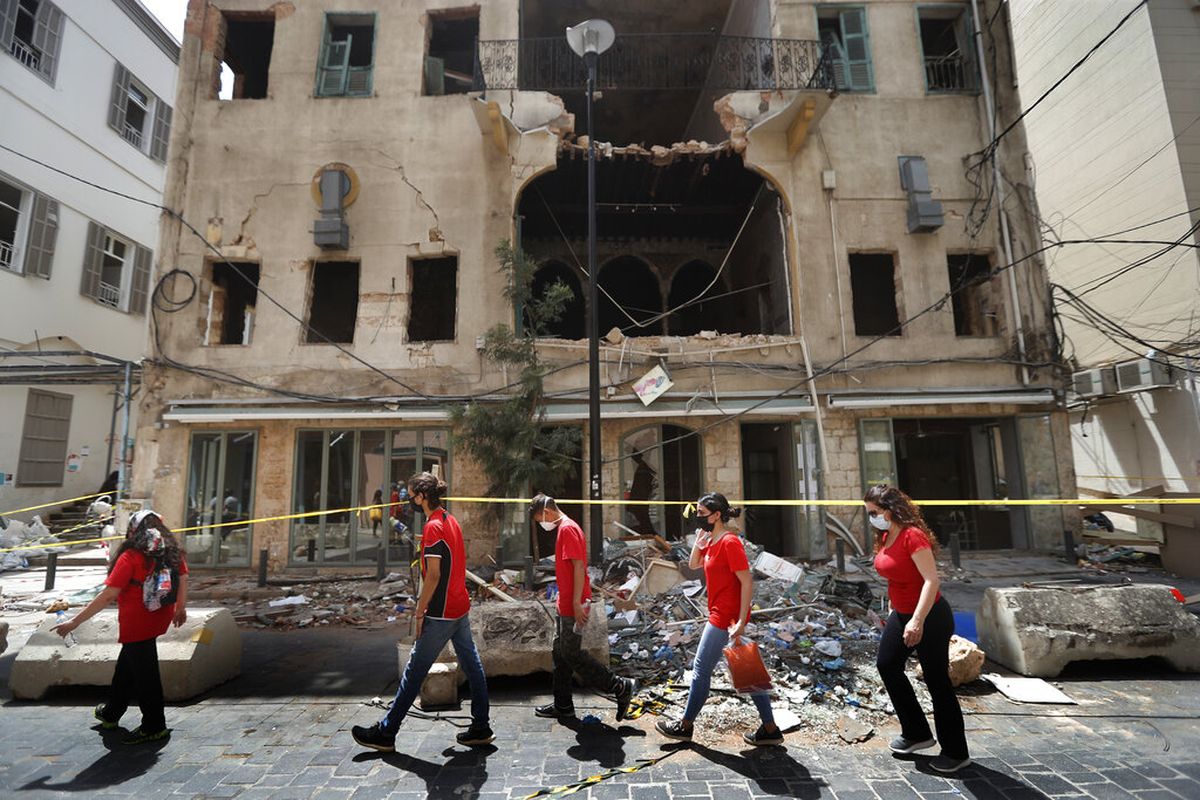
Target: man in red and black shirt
x=574, y=590
x=441, y=616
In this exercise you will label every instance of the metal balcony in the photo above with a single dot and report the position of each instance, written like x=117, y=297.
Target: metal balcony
x=656, y=62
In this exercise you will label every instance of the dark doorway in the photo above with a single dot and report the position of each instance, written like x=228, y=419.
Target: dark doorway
x=633, y=286
x=570, y=487
x=767, y=474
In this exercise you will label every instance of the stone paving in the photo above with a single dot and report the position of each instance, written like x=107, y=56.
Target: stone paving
x=281, y=731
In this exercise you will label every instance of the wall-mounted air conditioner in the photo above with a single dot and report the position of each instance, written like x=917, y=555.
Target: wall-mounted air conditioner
x=1141, y=374
x=1096, y=382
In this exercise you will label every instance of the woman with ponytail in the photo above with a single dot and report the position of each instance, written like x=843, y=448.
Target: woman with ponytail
x=730, y=593
x=921, y=621
x=148, y=579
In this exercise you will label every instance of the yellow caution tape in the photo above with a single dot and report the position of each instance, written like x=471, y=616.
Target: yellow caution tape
x=100, y=521
x=55, y=503
x=592, y=780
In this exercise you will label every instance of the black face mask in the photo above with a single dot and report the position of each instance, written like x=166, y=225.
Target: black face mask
x=704, y=523
x=415, y=505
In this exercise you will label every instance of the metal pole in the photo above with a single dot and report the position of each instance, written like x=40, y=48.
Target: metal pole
x=841, y=555
x=955, y=550
x=112, y=433
x=596, y=534
x=1069, y=546
x=262, y=567
x=51, y=570
x=122, y=469
x=380, y=563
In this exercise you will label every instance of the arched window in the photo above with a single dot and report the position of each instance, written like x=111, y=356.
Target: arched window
x=689, y=282
x=633, y=285
x=660, y=463
x=572, y=323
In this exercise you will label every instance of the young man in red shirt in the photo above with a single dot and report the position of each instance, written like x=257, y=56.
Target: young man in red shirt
x=574, y=590
x=441, y=616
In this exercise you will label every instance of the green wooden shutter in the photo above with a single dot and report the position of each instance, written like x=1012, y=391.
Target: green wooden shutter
x=43, y=231
x=139, y=286
x=162, y=131
x=837, y=63
x=860, y=77
x=8, y=23
x=93, y=261
x=435, y=76
x=334, y=67
x=47, y=37
x=116, y=104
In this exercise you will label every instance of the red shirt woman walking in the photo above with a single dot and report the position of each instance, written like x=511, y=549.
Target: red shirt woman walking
x=921, y=621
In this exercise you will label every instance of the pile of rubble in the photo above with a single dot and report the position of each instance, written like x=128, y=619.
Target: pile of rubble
x=22, y=536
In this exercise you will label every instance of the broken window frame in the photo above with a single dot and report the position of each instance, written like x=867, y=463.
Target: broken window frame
x=214, y=477
x=223, y=62
x=896, y=330
x=968, y=293
x=353, y=81
x=425, y=455
x=850, y=75
x=249, y=310
x=12, y=253
x=963, y=75
x=466, y=82
x=662, y=506
x=414, y=301
x=308, y=330
x=38, y=50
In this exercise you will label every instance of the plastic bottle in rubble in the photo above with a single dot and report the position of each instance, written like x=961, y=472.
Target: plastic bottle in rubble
x=69, y=640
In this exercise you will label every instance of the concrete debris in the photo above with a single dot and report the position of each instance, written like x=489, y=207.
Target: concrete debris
x=853, y=731
x=966, y=662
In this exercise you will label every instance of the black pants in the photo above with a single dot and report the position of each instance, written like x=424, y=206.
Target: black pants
x=569, y=656
x=136, y=678
x=933, y=651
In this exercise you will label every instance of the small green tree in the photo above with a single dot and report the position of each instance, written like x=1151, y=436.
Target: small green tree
x=509, y=437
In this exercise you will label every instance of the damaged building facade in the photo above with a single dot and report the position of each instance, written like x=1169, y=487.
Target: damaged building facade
x=790, y=226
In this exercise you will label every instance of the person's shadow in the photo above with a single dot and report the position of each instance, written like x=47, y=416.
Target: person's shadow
x=768, y=767
x=969, y=777
x=599, y=742
x=122, y=762
x=461, y=776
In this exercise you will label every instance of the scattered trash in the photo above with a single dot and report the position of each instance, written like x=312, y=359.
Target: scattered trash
x=289, y=601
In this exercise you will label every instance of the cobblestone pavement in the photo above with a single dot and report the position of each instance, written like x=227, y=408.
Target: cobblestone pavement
x=281, y=731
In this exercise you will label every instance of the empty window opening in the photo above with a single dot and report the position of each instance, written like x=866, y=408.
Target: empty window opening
x=333, y=307
x=231, y=305
x=434, y=299
x=347, y=56
x=698, y=295
x=946, y=49
x=873, y=285
x=12, y=203
x=249, y=39
x=630, y=294
x=975, y=297
x=573, y=320
x=450, y=57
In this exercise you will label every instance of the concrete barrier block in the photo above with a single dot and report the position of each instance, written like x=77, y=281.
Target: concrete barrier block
x=440, y=689
x=202, y=653
x=1038, y=631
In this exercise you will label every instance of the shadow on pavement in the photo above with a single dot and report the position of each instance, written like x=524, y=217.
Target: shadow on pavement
x=121, y=763
x=462, y=775
x=768, y=767
x=980, y=782
x=599, y=741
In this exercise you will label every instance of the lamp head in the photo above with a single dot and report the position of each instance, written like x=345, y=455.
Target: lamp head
x=591, y=36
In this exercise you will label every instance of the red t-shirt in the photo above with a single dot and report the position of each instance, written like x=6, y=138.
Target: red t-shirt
x=722, y=559
x=442, y=538
x=570, y=546
x=895, y=563
x=134, y=622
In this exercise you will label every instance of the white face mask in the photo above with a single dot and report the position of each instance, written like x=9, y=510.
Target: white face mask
x=549, y=526
x=879, y=522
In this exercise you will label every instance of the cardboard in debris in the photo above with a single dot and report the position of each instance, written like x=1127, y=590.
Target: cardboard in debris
x=660, y=576
x=1027, y=690
x=772, y=566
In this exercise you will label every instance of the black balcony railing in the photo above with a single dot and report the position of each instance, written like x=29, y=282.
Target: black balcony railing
x=656, y=61
x=953, y=73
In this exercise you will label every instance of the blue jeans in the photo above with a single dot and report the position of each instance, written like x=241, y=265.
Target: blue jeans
x=434, y=636
x=712, y=646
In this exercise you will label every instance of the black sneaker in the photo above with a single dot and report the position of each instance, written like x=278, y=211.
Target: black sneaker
x=476, y=735
x=551, y=711
x=625, y=691
x=761, y=738
x=140, y=736
x=105, y=724
x=946, y=764
x=674, y=730
x=374, y=738
x=905, y=746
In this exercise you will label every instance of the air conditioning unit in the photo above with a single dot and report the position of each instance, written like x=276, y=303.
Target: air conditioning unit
x=1141, y=374
x=1095, y=382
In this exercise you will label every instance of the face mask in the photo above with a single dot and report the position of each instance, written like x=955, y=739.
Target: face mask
x=879, y=522
x=149, y=541
x=704, y=523
x=549, y=526
x=415, y=505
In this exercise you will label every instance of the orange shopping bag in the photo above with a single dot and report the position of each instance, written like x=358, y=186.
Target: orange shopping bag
x=746, y=667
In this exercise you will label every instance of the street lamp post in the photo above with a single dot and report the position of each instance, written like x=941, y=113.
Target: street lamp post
x=589, y=39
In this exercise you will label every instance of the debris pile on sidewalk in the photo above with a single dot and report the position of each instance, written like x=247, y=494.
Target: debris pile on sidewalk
x=17, y=534
x=1106, y=558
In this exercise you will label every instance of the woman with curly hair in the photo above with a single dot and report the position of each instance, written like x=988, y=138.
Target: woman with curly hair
x=148, y=579
x=921, y=620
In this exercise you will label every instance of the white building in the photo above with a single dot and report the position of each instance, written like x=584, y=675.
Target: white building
x=1116, y=150
x=86, y=87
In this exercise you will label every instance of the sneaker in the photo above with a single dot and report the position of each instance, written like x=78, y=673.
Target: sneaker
x=374, y=738
x=98, y=713
x=944, y=763
x=140, y=736
x=476, y=735
x=905, y=746
x=624, y=693
x=760, y=738
x=674, y=730
x=552, y=711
